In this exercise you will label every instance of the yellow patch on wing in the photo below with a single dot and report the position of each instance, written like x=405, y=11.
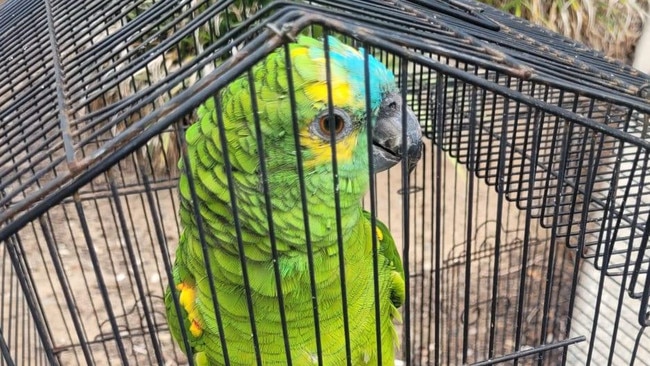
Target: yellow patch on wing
x=380, y=234
x=187, y=299
x=322, y=151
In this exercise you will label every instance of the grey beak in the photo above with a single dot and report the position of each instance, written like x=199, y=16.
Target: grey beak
x=388, y=148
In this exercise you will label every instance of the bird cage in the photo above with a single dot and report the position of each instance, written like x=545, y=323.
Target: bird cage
x=521, y=230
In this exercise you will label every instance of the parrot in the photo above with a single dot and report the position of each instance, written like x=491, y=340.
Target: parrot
x=205, y=169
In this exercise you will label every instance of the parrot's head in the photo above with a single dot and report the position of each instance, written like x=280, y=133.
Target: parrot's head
x=344, y=122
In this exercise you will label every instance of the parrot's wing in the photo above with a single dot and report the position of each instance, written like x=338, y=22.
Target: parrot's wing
x=192, y=321
x=388, y=250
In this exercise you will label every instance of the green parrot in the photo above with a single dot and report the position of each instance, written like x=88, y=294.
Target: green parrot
x=206, y=158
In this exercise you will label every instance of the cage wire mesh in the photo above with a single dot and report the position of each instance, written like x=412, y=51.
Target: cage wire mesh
x=522, y=229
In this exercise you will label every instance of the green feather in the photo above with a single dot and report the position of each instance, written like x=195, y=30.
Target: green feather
x=207, y=167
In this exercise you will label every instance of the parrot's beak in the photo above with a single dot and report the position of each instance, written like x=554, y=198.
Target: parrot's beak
x=388, y=147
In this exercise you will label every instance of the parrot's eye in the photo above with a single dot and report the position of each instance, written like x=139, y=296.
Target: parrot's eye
x=337, y=124
x=325, y=124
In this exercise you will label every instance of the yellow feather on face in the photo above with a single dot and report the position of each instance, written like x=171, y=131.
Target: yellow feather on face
x=322, y=151
x=315, y=92
x=341, y=92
